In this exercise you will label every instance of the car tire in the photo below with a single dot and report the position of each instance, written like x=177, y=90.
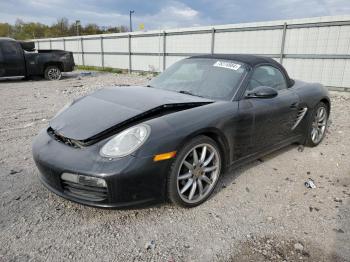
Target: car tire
x=317, y=126
x=52, y=73
x=193, y=176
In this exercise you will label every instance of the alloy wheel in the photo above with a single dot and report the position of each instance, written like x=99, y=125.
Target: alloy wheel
x=54, y=74
x=198, y=173
x=319, y=125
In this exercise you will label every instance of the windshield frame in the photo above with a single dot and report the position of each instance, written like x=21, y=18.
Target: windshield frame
x=232, y=95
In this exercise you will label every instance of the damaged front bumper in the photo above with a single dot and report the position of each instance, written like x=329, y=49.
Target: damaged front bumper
x=129, y=181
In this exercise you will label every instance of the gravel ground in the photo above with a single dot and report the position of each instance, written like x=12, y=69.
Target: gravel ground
x=260, y=212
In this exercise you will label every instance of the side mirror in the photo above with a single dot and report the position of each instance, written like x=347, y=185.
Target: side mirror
x=262, y=92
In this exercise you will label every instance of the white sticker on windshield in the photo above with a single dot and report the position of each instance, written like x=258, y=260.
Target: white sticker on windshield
x=228, y=65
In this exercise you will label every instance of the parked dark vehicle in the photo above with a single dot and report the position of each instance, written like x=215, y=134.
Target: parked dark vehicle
x=19, y=59
x=122, y=146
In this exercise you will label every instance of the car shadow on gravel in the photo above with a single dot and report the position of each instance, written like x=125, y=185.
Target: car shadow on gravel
x=233, y=173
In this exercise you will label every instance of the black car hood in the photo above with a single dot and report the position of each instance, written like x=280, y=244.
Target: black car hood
x=111, y=108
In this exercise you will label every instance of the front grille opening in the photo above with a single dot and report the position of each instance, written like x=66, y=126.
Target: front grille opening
x=84, y=187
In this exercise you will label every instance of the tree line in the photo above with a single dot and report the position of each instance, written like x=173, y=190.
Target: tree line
x=22, y=31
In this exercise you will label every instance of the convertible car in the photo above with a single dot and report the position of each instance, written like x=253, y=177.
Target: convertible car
x=172, y=139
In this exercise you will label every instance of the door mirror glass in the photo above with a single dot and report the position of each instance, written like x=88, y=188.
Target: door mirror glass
x=262, y=92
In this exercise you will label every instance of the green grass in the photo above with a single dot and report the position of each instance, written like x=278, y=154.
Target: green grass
x=113, y=70
x=101, y=69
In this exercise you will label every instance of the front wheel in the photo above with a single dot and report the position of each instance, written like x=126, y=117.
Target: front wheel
x=53, y=73
x=195, y=172
x=318, y=125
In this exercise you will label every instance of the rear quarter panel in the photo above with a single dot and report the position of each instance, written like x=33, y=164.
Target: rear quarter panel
x=310, y=94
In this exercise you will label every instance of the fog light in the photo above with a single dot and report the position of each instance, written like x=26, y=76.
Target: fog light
x=84, y=180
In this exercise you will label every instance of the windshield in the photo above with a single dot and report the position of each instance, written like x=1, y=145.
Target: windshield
x=211, y=78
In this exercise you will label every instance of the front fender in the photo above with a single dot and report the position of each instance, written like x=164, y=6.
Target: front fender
x=171, y=132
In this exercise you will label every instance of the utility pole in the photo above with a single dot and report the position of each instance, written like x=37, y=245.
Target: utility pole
x=77, y=25
x=130, y=13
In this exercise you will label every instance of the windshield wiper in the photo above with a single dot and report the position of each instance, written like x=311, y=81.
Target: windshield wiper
x=188, y=93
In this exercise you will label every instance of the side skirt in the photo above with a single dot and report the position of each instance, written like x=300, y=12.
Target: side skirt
x=257, y=155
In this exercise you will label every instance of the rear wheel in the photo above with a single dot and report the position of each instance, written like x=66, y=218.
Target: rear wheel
x=195, y=172
x=53, y=73
x=318, y=125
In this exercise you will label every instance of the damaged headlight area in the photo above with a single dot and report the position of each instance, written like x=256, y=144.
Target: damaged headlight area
x=126, y=142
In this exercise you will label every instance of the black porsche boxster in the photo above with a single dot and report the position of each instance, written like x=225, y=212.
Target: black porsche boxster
x=172, y=139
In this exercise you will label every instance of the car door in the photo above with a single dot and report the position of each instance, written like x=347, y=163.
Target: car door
x=13, y=60
x=273, y=118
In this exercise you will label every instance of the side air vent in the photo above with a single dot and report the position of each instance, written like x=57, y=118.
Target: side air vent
x=300, y=116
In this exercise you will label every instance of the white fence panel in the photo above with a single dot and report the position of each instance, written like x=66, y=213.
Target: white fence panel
x=116, y=45
x=191, y=43
x=73, y=45
x=78, y=59
x=57, y=45
x=44, y=45
x=146, y=44
x=146, y=63
x=249, y=42
x=330, y=72
x=117, y=61
x=92, y=60
x=92, y=45
x=313, y=49
x=318, y=40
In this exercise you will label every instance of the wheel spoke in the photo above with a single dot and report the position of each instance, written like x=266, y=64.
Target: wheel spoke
x=319, y=134
x=195, y=157
x=185, y=176
x=187, y=186
x=206, y=179
x=204, y=152
x=322, y=114
x=210, y=169
x=193, y=190
x=321, y=117
x=188, y=165
x=210, y=158
x=200, y=187
x=313, y=134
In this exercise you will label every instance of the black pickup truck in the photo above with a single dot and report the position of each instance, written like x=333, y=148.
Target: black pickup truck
x=20, y=59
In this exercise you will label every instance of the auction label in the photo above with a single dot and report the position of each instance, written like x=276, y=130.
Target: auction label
x=228, y=65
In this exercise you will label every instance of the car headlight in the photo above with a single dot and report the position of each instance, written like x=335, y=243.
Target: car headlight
x=126, y=142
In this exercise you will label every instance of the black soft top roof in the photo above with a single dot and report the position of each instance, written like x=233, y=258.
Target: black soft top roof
x=251, y=60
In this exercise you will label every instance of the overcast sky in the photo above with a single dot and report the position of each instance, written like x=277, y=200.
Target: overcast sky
x=167, y=13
